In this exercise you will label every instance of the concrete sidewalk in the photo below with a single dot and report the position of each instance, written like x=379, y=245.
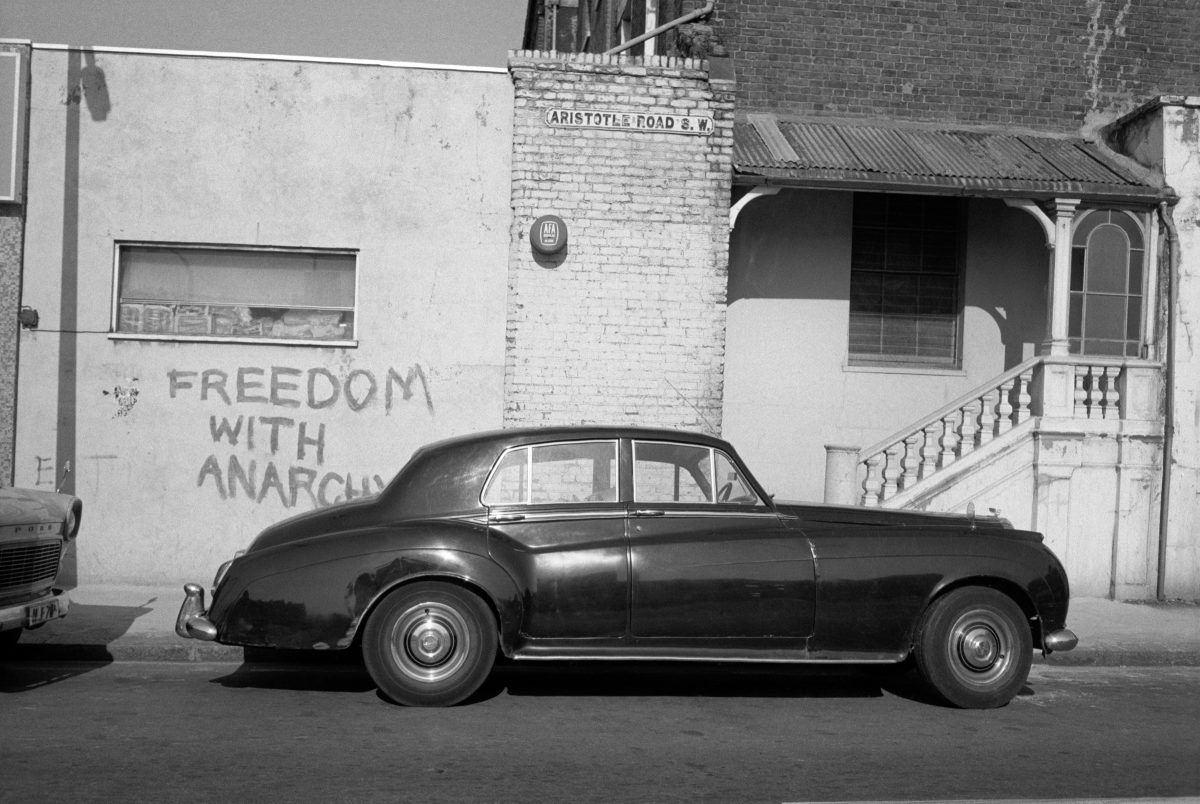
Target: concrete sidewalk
x=137, y=623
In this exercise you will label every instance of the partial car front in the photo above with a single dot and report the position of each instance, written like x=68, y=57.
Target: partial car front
x=35, y=529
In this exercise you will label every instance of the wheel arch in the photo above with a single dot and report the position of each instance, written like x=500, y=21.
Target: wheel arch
x=1007, y=587
x=506, y=613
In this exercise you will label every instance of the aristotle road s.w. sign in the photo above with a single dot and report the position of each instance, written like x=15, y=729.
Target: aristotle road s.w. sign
x=700, y=125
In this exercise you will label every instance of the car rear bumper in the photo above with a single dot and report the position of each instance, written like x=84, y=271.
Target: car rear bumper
x=32, y=613
x=1063, y=639
x=192, y=622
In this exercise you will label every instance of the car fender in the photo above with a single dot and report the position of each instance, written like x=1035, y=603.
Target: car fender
x=315, y=594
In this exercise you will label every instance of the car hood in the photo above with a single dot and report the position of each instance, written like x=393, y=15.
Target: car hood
x=341, y=517
x=886, y=517
x=31, y=506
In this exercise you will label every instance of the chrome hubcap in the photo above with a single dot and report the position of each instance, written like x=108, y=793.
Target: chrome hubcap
x=979, y=648
x=430, y=642
x=980, y=645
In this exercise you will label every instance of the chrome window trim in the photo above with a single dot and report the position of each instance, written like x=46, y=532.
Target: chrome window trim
x=528, y=501
x=712, y=478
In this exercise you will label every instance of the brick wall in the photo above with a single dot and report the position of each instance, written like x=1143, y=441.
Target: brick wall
x=1036, y=63
x=627, y=325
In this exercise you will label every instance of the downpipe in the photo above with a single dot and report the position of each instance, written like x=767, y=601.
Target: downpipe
x=1164, y=214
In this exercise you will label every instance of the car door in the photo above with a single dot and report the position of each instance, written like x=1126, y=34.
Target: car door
x=554, y=510
x=710, y=559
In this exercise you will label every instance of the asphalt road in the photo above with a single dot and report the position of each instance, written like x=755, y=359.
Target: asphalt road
x=142, y=731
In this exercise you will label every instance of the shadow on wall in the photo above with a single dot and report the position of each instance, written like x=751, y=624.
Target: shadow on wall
x=798, y=245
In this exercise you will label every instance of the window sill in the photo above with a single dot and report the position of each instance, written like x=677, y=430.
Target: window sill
x=902, y=368
x=124, y=336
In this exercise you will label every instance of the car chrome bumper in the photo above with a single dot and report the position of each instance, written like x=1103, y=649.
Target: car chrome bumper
x=1062, y=639
x=192, y=622
x=36, y=612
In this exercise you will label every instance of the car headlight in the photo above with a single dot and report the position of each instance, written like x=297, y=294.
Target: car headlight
x=71, y=523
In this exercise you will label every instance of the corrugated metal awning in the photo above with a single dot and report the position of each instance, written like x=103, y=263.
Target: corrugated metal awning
x=880, y=157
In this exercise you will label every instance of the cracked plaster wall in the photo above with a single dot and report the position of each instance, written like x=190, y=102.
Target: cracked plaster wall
x=1179, y=121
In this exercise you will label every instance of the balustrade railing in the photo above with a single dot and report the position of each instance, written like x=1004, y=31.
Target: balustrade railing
x=915, y=453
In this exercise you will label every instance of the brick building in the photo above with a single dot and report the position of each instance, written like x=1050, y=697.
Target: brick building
x=959, y=249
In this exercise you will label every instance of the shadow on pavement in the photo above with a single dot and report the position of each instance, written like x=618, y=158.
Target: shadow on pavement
x=343, y=671
x=65, y=648
x=670, y=679
x=268, y=668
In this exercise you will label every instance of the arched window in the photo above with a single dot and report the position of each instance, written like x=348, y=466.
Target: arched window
x=1108, y=258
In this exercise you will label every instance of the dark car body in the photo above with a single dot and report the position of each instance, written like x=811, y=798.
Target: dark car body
x=35, y=529
x=610, y=558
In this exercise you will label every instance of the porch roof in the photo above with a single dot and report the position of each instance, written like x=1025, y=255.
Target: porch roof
x=865, y=155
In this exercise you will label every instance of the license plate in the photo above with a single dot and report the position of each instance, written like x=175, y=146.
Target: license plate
x=38, y=613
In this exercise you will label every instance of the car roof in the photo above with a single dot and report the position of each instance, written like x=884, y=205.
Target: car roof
x=520, y=436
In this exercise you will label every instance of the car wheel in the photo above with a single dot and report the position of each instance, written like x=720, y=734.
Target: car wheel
x=974, y=648
x=430, y=644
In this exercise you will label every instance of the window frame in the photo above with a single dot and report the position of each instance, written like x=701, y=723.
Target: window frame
x=714, y=487
x=529, y=502
x=895, y=361
x=115, y=312
x=1085, y=226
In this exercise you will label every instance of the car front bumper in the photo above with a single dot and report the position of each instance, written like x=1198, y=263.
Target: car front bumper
x=33, y=613
x=192, y=622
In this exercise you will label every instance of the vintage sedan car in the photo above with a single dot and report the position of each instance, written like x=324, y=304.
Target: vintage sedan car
x=632, y=544
x=35, y=529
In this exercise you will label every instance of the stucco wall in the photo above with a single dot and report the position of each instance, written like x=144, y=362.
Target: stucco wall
x=410, y=167
x=788, y=388
x=1180, y=125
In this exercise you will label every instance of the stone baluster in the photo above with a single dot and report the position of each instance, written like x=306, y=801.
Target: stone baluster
x=1112, y=394
x=1004, y=409
x=1081, y=393
x=1023, y=398
x=970, y=419
x=987, y=417
x=949, y=438
x=873, y=482
x=1095, y=398
x=912, y=459
x=892, y=470
x=929, y=448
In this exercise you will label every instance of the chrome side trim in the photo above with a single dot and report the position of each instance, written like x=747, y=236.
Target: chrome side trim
x=767, y=656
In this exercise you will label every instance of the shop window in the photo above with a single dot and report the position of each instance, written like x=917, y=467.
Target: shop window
x=905, y=275
x=208, y=293
x=1107, y=271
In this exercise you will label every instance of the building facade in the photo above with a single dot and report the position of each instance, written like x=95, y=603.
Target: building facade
x=898, y=256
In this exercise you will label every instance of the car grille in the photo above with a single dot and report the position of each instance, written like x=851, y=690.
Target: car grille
x=23, y=565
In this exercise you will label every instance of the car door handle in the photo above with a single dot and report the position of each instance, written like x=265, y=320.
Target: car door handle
x=508, y=517
x=648, y=512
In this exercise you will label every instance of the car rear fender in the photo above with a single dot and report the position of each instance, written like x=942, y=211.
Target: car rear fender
x=301, y=598
x=475, y=573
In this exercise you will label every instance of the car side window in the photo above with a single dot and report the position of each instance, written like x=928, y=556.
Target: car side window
x=548, y=474
x=686, y=473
